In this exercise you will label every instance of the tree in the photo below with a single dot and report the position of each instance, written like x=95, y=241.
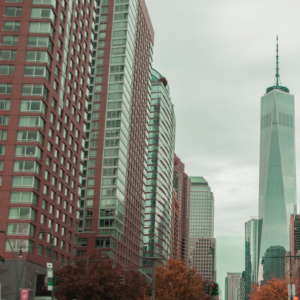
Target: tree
x=97, y=277
x=272, y=289
x=176, y=281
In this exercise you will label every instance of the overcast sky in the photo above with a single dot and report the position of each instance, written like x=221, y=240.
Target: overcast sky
x=219, y=58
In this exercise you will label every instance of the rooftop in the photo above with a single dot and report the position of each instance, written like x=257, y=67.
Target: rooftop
x=195, y=180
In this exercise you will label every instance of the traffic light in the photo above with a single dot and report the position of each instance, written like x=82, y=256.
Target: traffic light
x=207, y=289
x=212, y=288
x=216, y=289
x=122, y=279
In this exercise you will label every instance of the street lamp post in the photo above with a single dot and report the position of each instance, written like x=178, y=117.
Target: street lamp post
x=212, y=252
x=19, y=279
x=153, y=286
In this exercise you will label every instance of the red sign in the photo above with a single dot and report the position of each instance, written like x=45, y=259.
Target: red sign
x=24, y=295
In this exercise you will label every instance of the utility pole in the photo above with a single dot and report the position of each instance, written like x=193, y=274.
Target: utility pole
x=291, y=269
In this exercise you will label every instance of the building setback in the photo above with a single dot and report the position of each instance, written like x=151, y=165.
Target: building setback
x=201, y=227
x=117, y=146
x=182, y=186
x=45, y=68
x=159, y=191
x=251, y=247
x=277, y=178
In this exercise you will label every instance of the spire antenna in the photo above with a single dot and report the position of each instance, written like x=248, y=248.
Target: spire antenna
x=277, y=64
x=277, y=85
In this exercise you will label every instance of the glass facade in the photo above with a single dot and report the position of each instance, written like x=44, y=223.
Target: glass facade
x=277, y=179
x=251, y=230
x=116, y=147
x=159, y=190
x=201, y=224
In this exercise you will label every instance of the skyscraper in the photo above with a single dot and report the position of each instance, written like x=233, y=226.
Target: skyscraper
x=232, y=286
x=251, y=230
x=201, y=232
x=117, y=145
x=182, y=186
x=277, y=177
x=159, y=192
x=44, y=78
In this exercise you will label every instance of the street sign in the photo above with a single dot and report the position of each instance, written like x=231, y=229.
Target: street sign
x=291, y=292
x=24, y=294
x=50, y=276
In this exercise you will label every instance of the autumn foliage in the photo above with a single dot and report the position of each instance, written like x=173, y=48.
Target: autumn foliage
x=97, y=277
x=176, y=281
x=273, y=289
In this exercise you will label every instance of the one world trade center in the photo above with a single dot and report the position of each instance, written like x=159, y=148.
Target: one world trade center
x=277, y=178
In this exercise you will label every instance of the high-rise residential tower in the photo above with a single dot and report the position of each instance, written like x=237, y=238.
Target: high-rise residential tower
x=45, y=68
x=159, y=192
x=201, y=231
x=182, y=186
x=251, y=231
x=117, y=145
x=277, y=177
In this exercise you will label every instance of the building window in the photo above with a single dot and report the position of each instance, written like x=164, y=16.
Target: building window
x=36, y=71
x=41, y=27
x=11, y=26
x=3, y=135
x=25, y=182
x=22, y=213
x=10, y=40
x=16, y=245
x=30, y=136
x=38, y=56
x=20, y=229
x=4, y=104
x=34, y=90
x=4, y=120
x=23, y=197
x=26, y=166
x=31, y=121
x=45, y=2
x=2, y=149
x=28, y=151
x=43, y=13
x=39, y=42
x=8, y=55
x=33, y=106
x=13, y=12
x=7, y=70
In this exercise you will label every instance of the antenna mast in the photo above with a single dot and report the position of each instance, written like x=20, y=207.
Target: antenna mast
x=277, y=64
